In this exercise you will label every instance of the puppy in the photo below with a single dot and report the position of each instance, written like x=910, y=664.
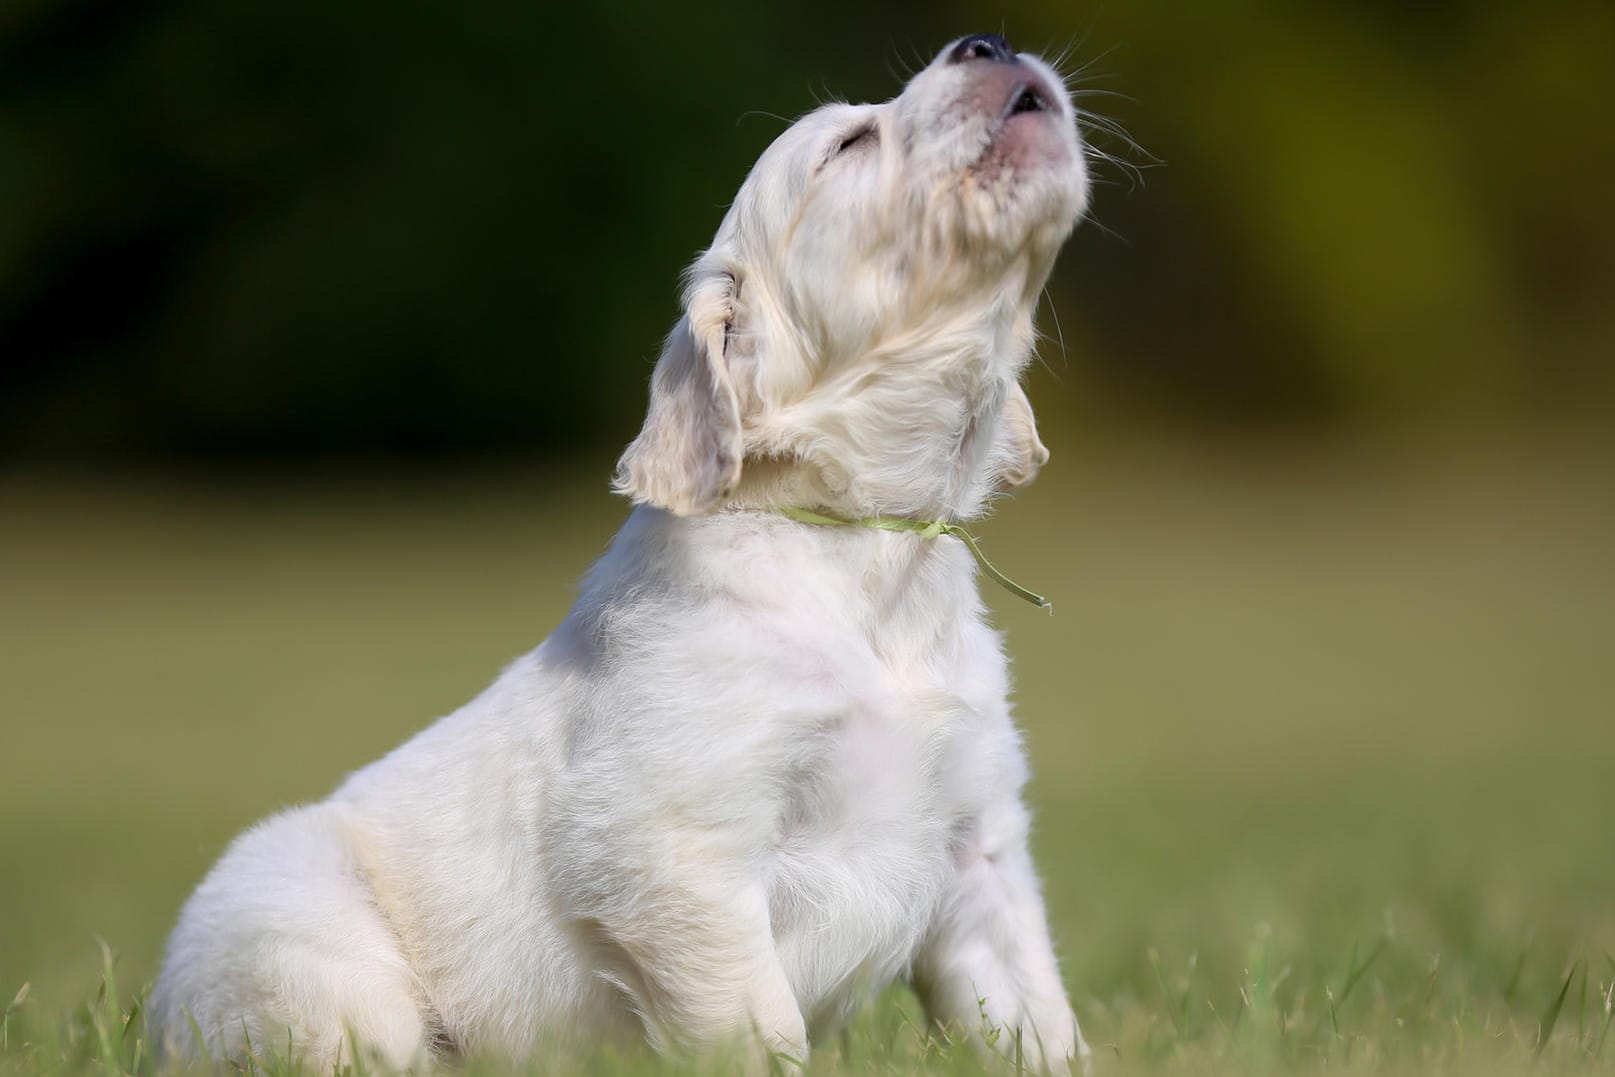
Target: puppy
x=765, y=767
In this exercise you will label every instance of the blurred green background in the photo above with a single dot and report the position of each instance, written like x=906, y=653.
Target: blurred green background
x=321, y=326
x=368, y=228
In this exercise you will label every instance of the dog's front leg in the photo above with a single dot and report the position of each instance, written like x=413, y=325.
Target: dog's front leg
x=987, y=970
x=698, y=963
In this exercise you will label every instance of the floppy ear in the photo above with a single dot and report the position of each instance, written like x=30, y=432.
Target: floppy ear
x=686, y=458
x=1021, y=452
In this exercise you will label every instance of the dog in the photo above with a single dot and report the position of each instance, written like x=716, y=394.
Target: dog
x=766, y=767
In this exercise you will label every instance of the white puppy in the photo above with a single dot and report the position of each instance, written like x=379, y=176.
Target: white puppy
x=765, y=767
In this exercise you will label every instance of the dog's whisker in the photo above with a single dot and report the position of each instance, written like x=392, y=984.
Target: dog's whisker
x=1085, y=67
x=759, y=113
x=1133, y=175
x=1060, y=58
x=897, y=65
x=1110, y=126
x=1065, y=357
x=1135, y=178
x=1100, y=152
x=920, y=61
x=1138, y=158
x=1078, y=95
x=1074, y=43
x=1092, y=218
x=1078, y=79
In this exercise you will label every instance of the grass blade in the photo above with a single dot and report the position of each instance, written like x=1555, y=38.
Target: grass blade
x=1353, y=975
x=1551, y=1017
x=1188, y=984
x=5, y=1017
x=1166, y=993
x=1514, y=977
x=129, y=1023
x=1581, y=1011
x=1609, y=1011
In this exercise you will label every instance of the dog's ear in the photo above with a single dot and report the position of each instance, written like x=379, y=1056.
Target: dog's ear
x=686, y=458
x=1021, y=452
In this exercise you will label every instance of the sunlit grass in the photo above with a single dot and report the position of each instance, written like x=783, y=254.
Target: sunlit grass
x=1322, y=740
x=1418, y=1025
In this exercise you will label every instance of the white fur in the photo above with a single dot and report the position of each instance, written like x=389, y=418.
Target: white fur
x=762, y=769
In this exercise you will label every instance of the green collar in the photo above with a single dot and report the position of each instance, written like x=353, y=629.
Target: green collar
x=928, y=529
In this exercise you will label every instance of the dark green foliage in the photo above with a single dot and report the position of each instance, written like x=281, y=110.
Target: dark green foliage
x=418, y=228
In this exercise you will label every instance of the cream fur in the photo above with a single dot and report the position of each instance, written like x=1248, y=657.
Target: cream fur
x=762, y=769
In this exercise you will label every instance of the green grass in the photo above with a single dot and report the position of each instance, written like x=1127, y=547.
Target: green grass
x=1323, y=740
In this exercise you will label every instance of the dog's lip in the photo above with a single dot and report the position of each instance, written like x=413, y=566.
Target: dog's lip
x=1028, y=95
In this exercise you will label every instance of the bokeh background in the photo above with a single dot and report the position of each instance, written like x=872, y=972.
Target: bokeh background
x=321, y=326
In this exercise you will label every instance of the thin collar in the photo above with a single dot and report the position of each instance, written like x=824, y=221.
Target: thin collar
x=926, y=529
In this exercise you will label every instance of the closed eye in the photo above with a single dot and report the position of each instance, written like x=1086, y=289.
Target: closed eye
x=868, y=134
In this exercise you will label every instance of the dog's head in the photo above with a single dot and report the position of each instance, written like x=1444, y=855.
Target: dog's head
x=853, y=338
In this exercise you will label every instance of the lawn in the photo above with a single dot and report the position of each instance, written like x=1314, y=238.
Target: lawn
x=1322, y=735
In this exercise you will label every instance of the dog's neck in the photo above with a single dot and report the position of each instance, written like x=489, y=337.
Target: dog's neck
x=902, y=589
x=908, y=429
x=910, y=453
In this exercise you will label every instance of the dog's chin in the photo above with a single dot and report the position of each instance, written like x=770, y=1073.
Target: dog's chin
x=1029, y=182
x=1029, y=170
x=1023, y=143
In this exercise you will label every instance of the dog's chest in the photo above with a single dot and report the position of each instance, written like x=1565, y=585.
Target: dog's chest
x=868, y=838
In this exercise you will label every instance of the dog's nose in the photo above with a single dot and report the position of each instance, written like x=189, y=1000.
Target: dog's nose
x=982, y=47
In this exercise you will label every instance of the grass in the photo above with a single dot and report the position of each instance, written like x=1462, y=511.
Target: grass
x=1322, y=736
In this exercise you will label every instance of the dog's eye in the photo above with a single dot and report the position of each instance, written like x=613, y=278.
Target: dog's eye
x=868, y=134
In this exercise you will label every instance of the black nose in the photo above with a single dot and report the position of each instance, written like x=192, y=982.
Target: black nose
x=982, y=47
